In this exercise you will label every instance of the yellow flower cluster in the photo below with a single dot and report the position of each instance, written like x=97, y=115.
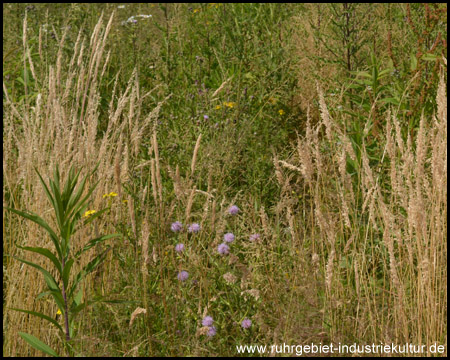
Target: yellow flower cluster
x=89, y=213
x=111, y=194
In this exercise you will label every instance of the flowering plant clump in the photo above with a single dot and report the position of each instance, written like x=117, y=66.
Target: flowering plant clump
x=68, y=204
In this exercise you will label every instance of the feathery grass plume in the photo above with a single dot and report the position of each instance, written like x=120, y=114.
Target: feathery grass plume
x=220, y=87
x=189, y=203
x=145, y=248
x=154, y=185
x=194, y=156
x=157, y=168
x=325, y=115
x=135, y=313
x=117, y=171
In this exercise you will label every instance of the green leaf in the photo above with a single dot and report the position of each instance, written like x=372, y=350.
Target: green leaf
x=38, y=344
x=38, y=220
x=87, y=269
x=42, y=316
x=49, y=279
x=95, y=241
x=413, y=62
x=47, y=253
x=66, y=272
x=429, y=57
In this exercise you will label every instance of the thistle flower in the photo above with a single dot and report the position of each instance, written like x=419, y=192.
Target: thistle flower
x=183, y=275
x=194, y=228
x=246, y=323
x=176, y=226
x=205, y=117
x=207, y=321
x=179, y=248
x=233, y=210
x=228, y=237
x=212, y=331
x=223, y=249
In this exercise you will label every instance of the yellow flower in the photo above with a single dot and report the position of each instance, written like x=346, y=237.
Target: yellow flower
x=196, y=10
x=89, y=213
x=111, y=194
x=281, y=112
x=230, y=104
x=218, y=107
x=59, y=312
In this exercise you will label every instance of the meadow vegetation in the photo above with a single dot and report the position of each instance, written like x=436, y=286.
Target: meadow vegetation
x=252, y=174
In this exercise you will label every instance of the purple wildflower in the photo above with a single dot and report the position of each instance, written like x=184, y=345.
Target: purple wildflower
x=254, y=237
x=179, y=248
x=212, y=331
x=233, y=210
x=176, y=226
x=228, y=237
x=183, y=275
x=205, y=117
x=246, y=323
x=194, y=228
x=223, y=249
x=207, y=321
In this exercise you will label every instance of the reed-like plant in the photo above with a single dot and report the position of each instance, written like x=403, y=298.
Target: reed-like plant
x=69, y=205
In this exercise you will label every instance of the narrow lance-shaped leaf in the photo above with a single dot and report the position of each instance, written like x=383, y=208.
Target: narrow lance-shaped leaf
x=42, y=316
x=87, y=269
x=47, y=253
x=38, y=220
x=38, y=344
x=93, y=242
x=66, y=272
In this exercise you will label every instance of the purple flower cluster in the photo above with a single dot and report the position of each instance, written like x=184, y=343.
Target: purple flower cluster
x=246, y=323
x=228, y=237
x=179, y=248
x=194, y=228
x=183, y=275
x=223, y=249
x=176, y=226
x=233, y=210
x=254, y=237
x=208, y=321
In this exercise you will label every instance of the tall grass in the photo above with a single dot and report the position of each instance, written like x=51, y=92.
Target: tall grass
x=379, y=228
